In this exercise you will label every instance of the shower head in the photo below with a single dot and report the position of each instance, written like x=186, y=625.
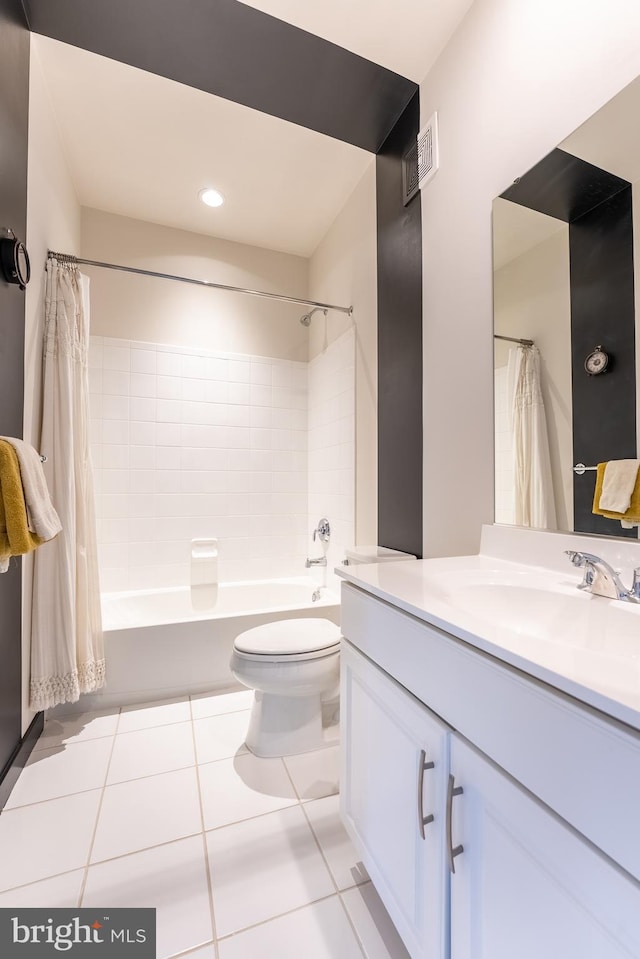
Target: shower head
x=306, y=319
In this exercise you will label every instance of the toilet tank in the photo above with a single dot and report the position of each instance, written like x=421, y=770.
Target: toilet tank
x=355, y=555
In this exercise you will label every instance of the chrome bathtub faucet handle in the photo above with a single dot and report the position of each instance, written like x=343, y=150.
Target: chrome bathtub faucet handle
x=322, y=530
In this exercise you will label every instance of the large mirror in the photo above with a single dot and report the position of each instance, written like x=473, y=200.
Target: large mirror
x=565, y=320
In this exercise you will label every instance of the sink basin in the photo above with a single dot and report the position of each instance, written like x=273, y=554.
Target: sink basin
x=528, y=610
x=539, y=607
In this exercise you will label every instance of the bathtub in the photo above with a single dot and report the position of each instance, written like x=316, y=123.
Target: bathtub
x=173, y=642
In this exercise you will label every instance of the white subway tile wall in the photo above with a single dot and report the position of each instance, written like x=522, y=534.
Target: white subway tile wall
x=189, y=444
x=504, y=494
x=331, y=458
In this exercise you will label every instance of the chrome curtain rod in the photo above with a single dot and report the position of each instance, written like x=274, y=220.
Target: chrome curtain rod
x=68, y=258
x=514, y=339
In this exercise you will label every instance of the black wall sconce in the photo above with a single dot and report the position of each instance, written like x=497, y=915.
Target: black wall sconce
x=14, y=259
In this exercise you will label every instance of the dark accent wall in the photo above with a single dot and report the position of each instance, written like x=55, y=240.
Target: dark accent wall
x=399, y=345
x=602, y=313
x=239, y=53
x=598, y=208
x=14, y=108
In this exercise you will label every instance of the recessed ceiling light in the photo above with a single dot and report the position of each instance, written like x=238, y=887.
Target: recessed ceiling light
x=211, y=197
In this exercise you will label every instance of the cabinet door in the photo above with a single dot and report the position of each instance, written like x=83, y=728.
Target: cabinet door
x=525, y=884
x=394, y=763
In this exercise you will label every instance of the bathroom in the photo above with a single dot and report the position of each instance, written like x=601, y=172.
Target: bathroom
x=414, y=470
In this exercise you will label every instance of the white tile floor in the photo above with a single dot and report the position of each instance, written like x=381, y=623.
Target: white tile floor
x=162, y=805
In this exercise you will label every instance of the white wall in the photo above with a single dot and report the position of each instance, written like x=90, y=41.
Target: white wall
x=515, y=80
x=532, y=299
x=331, y=445
x=343, y=270
x=163, y=311
x=53, y=222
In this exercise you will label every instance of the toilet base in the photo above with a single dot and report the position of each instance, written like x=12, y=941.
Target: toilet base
x=284, y=725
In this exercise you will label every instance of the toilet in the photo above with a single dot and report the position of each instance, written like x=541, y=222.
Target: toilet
x=292, y=664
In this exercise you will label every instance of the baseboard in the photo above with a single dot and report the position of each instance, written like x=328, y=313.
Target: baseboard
x=11, y=772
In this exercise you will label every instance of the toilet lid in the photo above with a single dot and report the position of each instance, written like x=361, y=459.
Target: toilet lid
x=289, y=637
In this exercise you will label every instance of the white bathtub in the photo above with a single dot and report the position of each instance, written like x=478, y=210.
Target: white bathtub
x=172, y=642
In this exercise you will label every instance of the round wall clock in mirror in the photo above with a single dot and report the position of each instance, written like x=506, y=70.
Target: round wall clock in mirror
x=14, y=259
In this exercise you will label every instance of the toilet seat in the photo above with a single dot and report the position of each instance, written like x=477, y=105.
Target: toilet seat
x=289, y=640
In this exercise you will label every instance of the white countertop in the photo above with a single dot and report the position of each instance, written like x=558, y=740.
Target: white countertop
x=597, y=658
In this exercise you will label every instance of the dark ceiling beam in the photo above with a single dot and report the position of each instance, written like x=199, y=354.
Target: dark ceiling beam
x=234, y=51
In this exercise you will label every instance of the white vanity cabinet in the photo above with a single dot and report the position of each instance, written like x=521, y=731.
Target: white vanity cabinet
x=526, y=885
x=393, y=781
x=503, y=872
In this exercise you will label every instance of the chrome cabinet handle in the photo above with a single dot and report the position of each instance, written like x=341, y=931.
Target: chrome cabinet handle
x=422, y=819
x=452, y=790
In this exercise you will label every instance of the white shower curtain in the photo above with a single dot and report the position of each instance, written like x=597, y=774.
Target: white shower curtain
x=67, y=653
x=534, y=499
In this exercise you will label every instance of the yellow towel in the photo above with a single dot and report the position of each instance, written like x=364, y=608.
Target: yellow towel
x=15, y=537
x=632, y=515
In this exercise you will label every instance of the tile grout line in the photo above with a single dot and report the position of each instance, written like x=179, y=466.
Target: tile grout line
x=290, y=778
x=326, y=862
x=205, y=849
x=280, y=915
x=35, y=882
x=63, y=745
x=191, y=952
x=333, y=879
x=91, y=789
x=146, y=729
x=338, y=890
x=350, y=920
x=83, y=884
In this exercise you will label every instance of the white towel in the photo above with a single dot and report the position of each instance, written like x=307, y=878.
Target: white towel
x=41, y=516
x=618, y=484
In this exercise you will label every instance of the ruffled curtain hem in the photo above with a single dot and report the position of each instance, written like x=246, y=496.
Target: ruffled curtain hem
x=54, y=690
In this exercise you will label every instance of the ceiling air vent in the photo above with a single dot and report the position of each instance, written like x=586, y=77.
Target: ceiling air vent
x=427, y=149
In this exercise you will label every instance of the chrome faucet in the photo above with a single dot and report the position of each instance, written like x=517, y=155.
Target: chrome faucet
x=323, y=532
x=602, y=579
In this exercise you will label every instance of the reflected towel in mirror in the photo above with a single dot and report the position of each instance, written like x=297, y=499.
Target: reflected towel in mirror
x=628, y=518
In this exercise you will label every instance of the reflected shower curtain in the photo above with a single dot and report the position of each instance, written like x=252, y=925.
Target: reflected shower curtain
x=67, y=654
x=534, y=499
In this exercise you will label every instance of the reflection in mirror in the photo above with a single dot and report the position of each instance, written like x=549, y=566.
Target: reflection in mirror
x=564, y=279
x=531, y=301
